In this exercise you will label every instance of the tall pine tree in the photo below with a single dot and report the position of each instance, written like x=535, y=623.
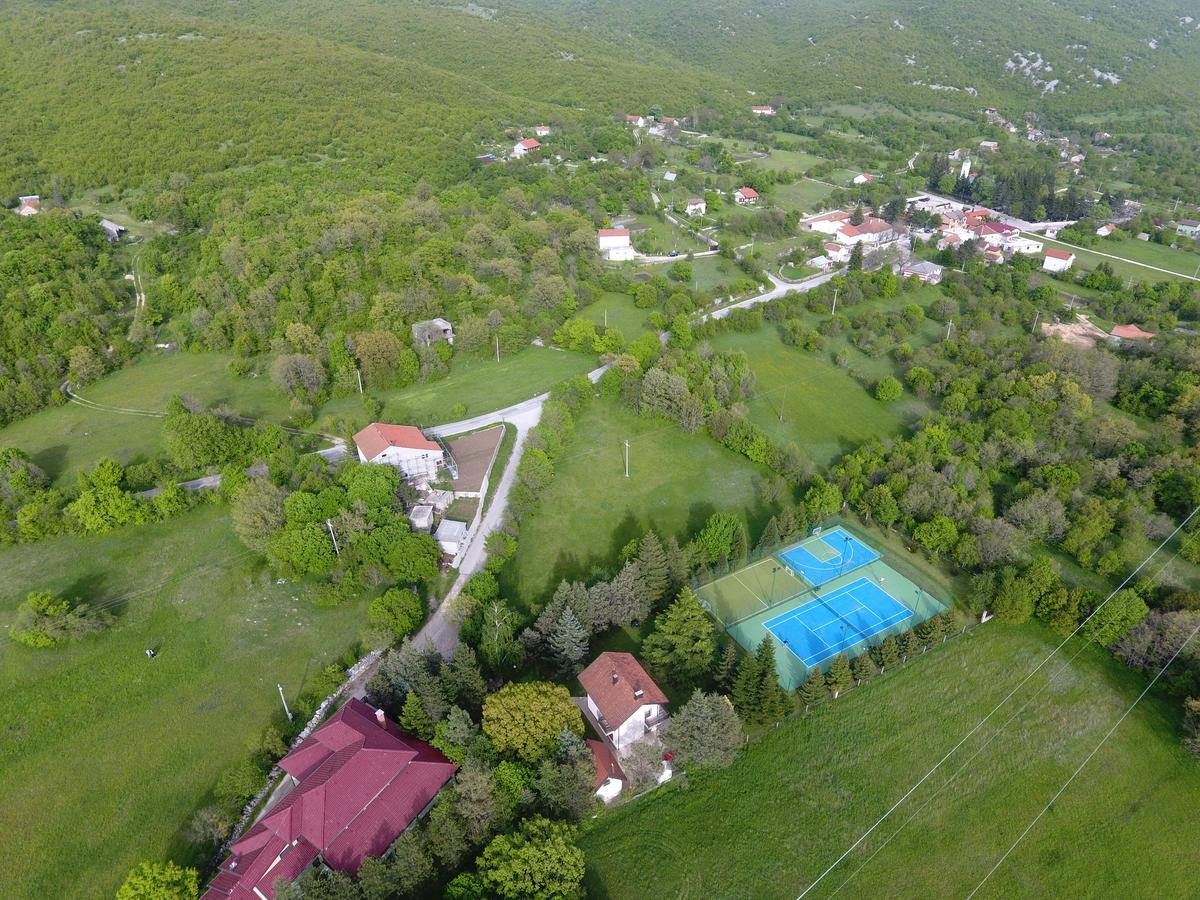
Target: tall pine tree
x=813, y=691
x=652, y=560
x=773, y=703
x=771, y=538
x=568, y=643
x=684, y=640
x=677, y=566
x=838, y=677
x=747, y=688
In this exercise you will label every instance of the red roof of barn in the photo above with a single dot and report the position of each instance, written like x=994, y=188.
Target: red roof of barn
x=1055, y=253
x=606, y=763
x=361, y=784
x=747, y=192
x=614, y=681
x=613, y=232
x=377, y=437
x=529, y=144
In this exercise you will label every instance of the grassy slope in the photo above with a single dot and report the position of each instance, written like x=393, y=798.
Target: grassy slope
x=798, y=797
x=67, y=439
x=826, y=412
x=108, y=754
x=591, y=510
x=1131, y=253
x=622, y=314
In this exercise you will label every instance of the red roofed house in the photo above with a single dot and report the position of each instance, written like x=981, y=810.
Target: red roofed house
x=402, y=446
x=1057, y=260
x=614, y=243
x=828, y=223
x=1131, y=333
x=610, y=780
x=744, y=196
x=636, y=121
x=870, y=231
x=622, y=699
x=522, y=147
x=29, y=206
x=863, y=178
x=763, y=110
x=356, y=784
x=541, y=130
x=696, y=207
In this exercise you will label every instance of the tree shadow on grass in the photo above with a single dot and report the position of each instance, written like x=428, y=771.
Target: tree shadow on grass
x=52, y=460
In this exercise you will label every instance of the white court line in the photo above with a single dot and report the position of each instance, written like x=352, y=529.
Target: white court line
x=752, y=591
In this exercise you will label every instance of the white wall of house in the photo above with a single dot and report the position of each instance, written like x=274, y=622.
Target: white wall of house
x=1050, y=264
x=634, y=728
x=411, y=463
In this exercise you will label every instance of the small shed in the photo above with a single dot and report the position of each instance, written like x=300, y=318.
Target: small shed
x=112, y=231
x=430, y=331
x=451, y=535
x=422, y=517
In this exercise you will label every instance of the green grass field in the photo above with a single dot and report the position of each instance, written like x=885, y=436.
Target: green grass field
x=787, y=160
x=802, y=195
x=826, y=413
x=66, y=439
x=709, y=273
x=1131, y=253
x=591, y=510
x=620, y=312
x=477, y=382
x=799, y=796
x=108, y=754
x=662, y=235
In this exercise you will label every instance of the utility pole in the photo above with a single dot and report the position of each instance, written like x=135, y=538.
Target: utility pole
x=497, y=348
x=626, y=458
x=358, y=375
x=329, y=525
x=783, y=402
x=949, y=325
x=834, y=312
x=606, y=318
x=1035, y=320
x=284, y=699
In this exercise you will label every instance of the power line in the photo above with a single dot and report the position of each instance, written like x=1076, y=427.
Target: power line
x=1066, y=784
x=1053, y=678
x=937, y=765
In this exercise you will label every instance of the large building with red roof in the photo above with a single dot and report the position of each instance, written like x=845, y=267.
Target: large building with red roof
x=356, y=784
x=402, y=446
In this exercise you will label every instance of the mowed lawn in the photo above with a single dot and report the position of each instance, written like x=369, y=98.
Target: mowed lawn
x=1134, y=259
x=800, y=796
x=107, y=754
x=802, y=195
x=66, y=439
x=787, y=160
x=676, y=481
x=826, y=413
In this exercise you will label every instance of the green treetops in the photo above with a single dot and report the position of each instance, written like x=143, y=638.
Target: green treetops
x=525, y=720
x=160, y=881
x=540, y=859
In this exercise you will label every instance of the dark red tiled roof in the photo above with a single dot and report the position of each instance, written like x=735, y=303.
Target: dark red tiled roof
x=377, y=437
x=361, y=783
x=606, y=763
x=613, y=682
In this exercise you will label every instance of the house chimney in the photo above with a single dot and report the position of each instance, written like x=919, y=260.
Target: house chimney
x=379, y=717
x=637, y=695
x=616, y=678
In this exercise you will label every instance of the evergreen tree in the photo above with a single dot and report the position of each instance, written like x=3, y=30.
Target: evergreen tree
x=629, y=601
x=705, y=732
x=739, y=544
x=910, y=644
x=414, y=719
x=887, y=654
x=462, y=678
x=677, y=566
x=813, y=691
x=838, y=677
x=771, y=537
x=684, y=640
x=652, y=561
x=568, y=643
x=856, y=258
x=747, y=688
x=772, y=698
x=863, y=667
x=727, y=660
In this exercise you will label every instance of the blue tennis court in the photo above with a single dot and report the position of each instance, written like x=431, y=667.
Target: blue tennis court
x=822, y=559
x=849, y=615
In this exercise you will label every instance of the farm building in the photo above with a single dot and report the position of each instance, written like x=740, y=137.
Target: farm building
x=614, y=243
x=401, y=446
x=745, y=196
x=1058, y=260
x=523, y=147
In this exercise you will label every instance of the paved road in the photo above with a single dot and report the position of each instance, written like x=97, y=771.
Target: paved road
x=780, y=288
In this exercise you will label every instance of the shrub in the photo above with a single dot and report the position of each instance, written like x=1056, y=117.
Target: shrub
x=397, y=611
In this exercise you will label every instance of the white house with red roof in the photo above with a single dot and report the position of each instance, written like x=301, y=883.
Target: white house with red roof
x=1105, y=230
x=614, y=244
x=521, y=148
x=403, y=446
x=696, y=207
x=541, y=130
x=1057, y=260
x=870, y=231
x=828, y=223
x=863, y=178
x=838, y=253
x=29, y=206
x=763, y=110
x=622, y=700
x=353, y=786
x=636, y=121
x=610, y=780
x=745, y=196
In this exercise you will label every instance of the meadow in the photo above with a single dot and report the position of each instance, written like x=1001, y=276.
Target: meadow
x=67, y=439
x=108, y=754
x=804, y=398
x=1134, y=257
x=620, y=313
x=590, y=511
x=787, y=160
x=799, y=796
x=803, y=195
